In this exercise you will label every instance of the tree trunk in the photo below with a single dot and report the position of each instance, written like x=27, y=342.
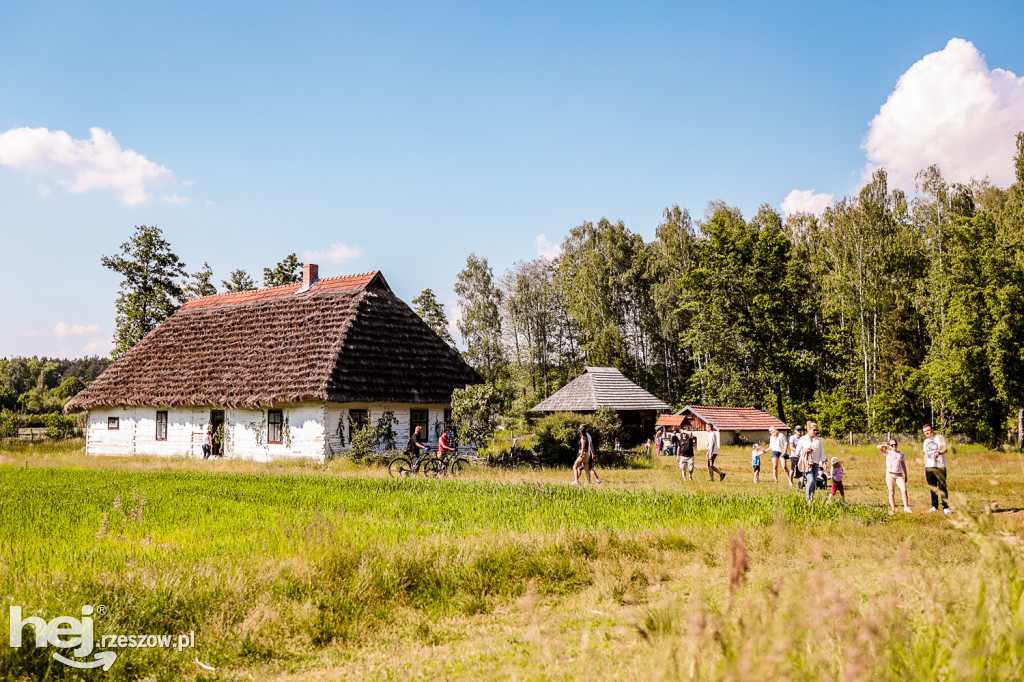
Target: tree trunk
x=1020, y=428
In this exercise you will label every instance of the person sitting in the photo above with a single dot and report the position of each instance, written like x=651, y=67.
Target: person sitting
x=416, y=446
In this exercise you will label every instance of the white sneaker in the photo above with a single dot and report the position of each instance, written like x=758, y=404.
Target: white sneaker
x=947, y=510
x=933, y=509
x=907, y=510
x=575, y=483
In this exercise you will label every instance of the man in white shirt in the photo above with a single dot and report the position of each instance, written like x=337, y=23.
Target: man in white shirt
x=713, y=454
x=935, y=468
x=813, y=454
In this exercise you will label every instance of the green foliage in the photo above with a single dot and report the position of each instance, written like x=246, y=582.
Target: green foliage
x=59, y=426
x=364, y=443
x=149, y=291
x=288, y=271
x=240, y=280
x=480, y=324
x=385, y=430
x=837, y=414
x=200, y=283
x=69, y=388
x=475, y=412
x=556, y=437
x=9, y=423
x=431, y=311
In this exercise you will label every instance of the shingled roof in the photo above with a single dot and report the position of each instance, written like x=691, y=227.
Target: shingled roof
x=600, y=387
x=735, y=418
x=343, y=339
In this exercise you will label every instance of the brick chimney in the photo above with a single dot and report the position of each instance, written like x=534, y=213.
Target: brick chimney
x=310, y=274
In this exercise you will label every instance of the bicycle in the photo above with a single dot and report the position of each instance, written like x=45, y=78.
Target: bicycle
x=404, y=467
x=454, y=464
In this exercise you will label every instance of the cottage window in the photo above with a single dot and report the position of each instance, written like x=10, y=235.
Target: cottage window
x=357, y=421
x=161, y=425
x=113, y=423
x=418, y=418
x=448, y=419
x=275, y=423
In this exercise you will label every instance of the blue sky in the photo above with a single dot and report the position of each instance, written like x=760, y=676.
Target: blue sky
x=402, y=136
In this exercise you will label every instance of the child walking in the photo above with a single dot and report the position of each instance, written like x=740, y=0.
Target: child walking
x=755, y=461
x=837, y=481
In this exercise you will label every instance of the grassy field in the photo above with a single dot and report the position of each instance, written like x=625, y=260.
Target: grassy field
x=298, y=571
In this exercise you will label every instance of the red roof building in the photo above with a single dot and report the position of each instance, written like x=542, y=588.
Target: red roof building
x=735, y=424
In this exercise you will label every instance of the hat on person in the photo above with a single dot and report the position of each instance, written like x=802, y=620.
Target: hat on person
x=798, y=428
x=835, y=460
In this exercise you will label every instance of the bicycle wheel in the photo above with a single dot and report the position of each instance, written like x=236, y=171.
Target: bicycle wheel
x=400, y=467
x=432, y=468
x=457, y=466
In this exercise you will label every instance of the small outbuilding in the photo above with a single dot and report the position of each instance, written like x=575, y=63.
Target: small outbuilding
x=735, y=424
x=284, y=372
x=601, y=387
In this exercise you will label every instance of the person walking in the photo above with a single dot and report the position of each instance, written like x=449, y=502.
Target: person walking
x=794, y=456
x=837, y=481
x=713, y=454
x=777, y=444
x=416, y=446
x=755, y=461
x=812, y=458
x=593, y=456
x=935, y=468
x=686, y=446
x=895, y=473
x=208, y=443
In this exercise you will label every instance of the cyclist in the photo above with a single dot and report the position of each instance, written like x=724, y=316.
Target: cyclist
x=445, y=444
x=416, y=447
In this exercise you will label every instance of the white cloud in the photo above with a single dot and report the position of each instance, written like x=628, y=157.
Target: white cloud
x=805, y=201
x=98, y=347
x=338, y=253
x=948, y=109
x=547, y=250
x=64, y=329
x=83, y=165
x=175, y=199
x=31, y=333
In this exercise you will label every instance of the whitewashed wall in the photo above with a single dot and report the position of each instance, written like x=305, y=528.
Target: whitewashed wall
x=335, y=412
x=310, y=430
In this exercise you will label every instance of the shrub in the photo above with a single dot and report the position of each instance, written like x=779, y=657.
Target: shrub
x=9, y=424
x=556, y=439
x=59, y=426
x=364, y=443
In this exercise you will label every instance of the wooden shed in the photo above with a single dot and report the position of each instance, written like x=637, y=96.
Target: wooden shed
x=601, y=387
x=734, y=424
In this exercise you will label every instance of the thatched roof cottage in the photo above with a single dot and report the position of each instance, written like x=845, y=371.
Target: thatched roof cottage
x=288, y=371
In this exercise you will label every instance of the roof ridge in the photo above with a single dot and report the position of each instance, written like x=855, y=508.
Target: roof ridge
x=279, y=286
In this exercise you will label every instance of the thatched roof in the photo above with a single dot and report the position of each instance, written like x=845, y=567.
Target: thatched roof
x=345, y=339
x=734, y=418
x=600, y=387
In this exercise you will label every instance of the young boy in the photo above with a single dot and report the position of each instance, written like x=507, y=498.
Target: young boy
x=755, y=461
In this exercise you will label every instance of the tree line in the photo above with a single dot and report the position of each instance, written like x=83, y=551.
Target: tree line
x=883, y=313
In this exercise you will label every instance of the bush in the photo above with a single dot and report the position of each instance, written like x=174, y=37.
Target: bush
x=364, y=443
x=556, y=439
x=9, y=424
x=59, y=426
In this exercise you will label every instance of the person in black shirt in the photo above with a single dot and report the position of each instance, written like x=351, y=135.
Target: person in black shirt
x=416, y=445
x=685, y=452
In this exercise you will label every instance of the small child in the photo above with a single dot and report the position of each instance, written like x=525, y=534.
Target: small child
x=755, y=461
x=837, y=481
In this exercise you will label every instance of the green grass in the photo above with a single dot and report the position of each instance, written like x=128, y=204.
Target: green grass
x=329, y=571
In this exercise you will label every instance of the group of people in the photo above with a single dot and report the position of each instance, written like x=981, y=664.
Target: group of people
x=803, y=460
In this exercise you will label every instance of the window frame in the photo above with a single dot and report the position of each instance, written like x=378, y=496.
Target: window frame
x=271, y=425
x=425, y=423
x=161, y=422
x=355, y=423
x=113, y=423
